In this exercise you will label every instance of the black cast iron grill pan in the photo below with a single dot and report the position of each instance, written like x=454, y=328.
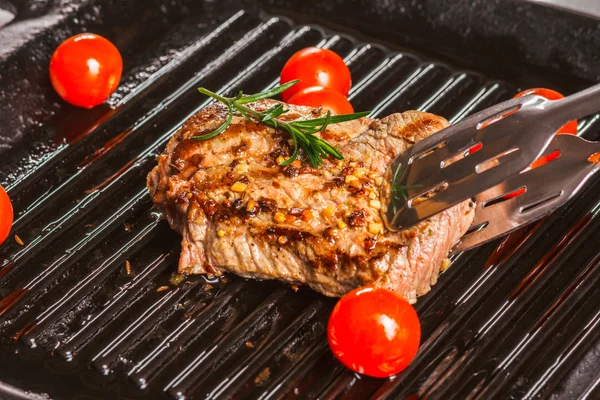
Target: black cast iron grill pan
x=516, y=318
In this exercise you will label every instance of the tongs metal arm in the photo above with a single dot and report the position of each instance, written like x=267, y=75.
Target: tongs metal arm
x=443, y=170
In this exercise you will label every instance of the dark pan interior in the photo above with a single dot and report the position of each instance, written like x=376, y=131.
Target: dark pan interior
x=517, y=318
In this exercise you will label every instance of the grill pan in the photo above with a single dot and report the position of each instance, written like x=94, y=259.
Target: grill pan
x=516, y=318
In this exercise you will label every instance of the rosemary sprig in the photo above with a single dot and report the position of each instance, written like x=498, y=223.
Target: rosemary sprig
x=302, y=132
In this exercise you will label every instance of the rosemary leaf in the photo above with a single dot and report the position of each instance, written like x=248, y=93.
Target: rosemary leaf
x=268, y=93
x=329, y=149
x=335, y=119
x=273, y=113
x=214, y=95
x=326, y=122
x=217, y=131
x=294, y=154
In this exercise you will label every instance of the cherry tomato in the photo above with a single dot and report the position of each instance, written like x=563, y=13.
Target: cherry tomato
x=85, y=69
x=514, y=194
x=322, y=97
x=315, y=67
x=543, y=160
x=374, y=332
x=594, y=158
x=6, y=215
x=475, y=148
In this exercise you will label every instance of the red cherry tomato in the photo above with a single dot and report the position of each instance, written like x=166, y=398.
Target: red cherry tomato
x=543, y=160
x=374, y=332
x=514, y=194
x=322, y=97
x=475, y=148
x=6, y=215
x=315, y=67
x=85, y=69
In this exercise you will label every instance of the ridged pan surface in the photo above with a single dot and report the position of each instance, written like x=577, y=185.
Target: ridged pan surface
x=87, y=310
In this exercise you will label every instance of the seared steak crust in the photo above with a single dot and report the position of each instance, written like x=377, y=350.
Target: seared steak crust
x=239, y=211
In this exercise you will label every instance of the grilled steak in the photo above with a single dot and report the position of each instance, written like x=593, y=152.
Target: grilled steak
x=239, y=211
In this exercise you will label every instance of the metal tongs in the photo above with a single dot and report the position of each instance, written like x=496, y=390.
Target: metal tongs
x=487, y=158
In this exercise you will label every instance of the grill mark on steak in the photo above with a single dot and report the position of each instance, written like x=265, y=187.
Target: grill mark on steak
x=267, y=204
x=290, y=233
x=297, y=223
x=185, y=148
x=334, y=183
x=357, y=218
x=370, y=244
x=291, y=171
x=240, y=149
x=227, y=209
